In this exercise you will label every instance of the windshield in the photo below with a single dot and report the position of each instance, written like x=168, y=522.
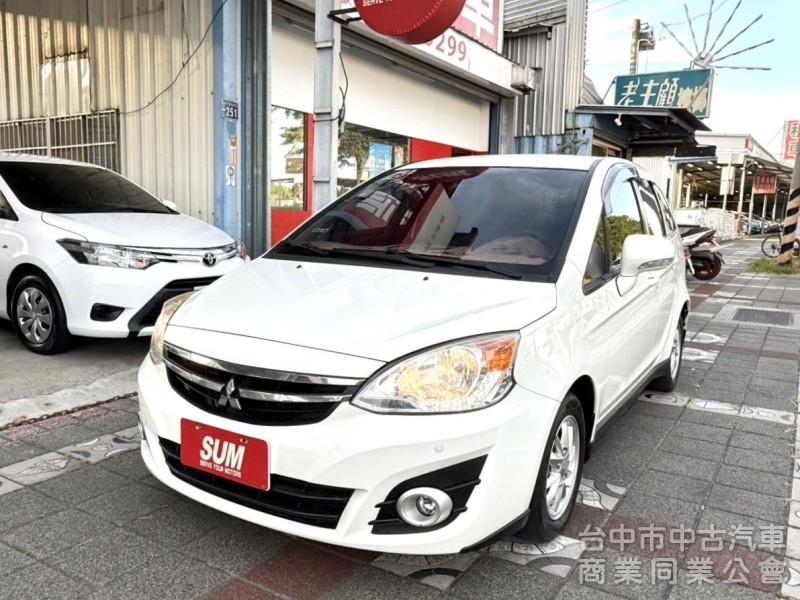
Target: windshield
x=58, y=188
x=508, y=220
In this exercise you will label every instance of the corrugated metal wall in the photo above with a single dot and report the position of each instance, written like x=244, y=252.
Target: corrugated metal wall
x=559, y=54
x=135, y=50
x=659, y=168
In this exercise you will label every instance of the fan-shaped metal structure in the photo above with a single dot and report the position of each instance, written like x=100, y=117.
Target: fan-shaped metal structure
x=709, y=55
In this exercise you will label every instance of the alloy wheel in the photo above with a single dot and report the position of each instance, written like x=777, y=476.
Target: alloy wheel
x=675, y=355
x=562, y=469
x=34, y=315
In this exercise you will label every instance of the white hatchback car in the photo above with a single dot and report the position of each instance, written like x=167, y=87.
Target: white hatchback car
x=422, y=366
x=84, y=251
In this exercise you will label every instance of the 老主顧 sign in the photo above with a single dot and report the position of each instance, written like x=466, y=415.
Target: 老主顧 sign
x=410, y=21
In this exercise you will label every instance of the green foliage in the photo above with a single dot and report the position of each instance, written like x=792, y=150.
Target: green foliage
x=620, y=227
x=354, y=146
x=771, y=267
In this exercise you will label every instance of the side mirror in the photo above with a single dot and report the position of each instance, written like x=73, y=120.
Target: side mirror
x=641, y=253
x=170, y=204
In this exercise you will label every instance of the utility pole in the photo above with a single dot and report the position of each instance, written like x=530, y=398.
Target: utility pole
x=634, y=67
x=790, y=222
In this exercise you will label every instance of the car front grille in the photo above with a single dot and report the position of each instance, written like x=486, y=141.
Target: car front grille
x=253, y=395
x=287, y=498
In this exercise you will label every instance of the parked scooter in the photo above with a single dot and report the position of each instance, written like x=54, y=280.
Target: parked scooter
x=702, y=261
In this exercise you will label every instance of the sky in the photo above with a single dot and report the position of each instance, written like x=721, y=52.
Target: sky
x=747, y=102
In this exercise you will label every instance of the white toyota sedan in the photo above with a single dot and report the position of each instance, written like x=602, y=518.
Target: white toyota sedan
x=84, y=251
x=423, y=366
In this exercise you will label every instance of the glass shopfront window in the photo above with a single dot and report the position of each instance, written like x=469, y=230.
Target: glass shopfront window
x=365, y=153
x=289, y=158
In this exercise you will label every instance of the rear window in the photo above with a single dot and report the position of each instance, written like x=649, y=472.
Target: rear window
x=516, y=218
x=58, y=188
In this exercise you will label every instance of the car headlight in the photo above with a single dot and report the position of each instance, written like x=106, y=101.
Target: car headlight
x=170, y=307
x=460, y=376
x=106, y=255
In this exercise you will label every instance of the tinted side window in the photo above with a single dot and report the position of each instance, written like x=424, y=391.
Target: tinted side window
x=597, y=265
x=5, y=209
x=624, y=218
x=669, y=220
x=654, y=224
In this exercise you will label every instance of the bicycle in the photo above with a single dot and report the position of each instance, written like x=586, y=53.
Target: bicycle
x=771, y=245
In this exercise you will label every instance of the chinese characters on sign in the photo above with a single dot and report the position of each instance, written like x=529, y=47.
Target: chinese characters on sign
x=791, y=140
x=765, y=183
x=480, y=20
x=701, y=564
x=689, y=89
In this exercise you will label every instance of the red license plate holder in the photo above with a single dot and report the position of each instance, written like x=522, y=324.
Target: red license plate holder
x=226, y=454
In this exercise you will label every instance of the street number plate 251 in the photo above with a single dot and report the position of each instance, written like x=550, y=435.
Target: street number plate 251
x=225, y=454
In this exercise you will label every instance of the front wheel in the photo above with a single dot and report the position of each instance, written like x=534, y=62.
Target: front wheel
x=39, y=317
x=771, y=246
x=667, y=383
x=559, y=474
x=706, y=268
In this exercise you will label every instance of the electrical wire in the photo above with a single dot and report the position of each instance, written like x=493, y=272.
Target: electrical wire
x=183, y=66
x=591, y=12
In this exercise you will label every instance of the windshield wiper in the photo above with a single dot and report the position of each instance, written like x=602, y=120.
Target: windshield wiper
x=368, y=253
x=457, y=262
x=306, y=246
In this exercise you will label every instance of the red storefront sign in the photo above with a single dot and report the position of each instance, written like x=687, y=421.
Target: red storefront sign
x=481, y=20
x=765, y=183
x=791, y=140
x=410, y=21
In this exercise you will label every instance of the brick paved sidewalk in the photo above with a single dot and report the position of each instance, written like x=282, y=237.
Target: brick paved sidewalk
x=688, y=495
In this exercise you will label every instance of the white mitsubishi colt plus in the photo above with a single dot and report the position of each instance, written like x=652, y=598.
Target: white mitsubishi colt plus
x=422, y=366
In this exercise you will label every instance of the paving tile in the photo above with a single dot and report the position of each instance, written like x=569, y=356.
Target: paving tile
x=23, y=432
x=751, y=459
x=615, y=564
x=65, y=436
x=237, y=547
x=599, y=494
x=102, y=559
x=241, y=590
x=771, y=402
x=7, y=486
x=129, y=465
x=735, y=565
x=583, y=516
x=773, y=430
x=11, y=560
x=761, y=443
x=302, y=571
x=57, y=422
x=659, y=510
x=53, y=533
x=39, y=581
x=749, y=503
x=573, y=590
x=656, y=410
x=112, y=421
x=727, y=522
x=492, y=578
x=41, y=468
x=15, y=452
x=130, y=404
x=367, y=582
x=81, y=484
x=436, y=571
x=169, y=576
x=617, y=468
x=675, y=486
x=702, y=417
x=718, y=435
x=178, y=524
x=677, y=464
x=791, y=584
x=647, y=423
x=99, y=448
x=693, y=447
x=126, y=503
x=24, y=506
x=690, y=589
x=754, y=481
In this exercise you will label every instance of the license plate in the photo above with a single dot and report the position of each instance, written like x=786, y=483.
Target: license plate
x=225, y=454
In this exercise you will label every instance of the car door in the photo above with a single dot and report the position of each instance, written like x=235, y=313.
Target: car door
x=633, y=317
x=9, y=243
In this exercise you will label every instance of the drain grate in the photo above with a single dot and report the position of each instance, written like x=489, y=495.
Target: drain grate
x=764, y=317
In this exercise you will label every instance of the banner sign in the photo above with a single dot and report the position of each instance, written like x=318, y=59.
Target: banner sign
x=790, y=140
x=689, y=89
x=766, y=183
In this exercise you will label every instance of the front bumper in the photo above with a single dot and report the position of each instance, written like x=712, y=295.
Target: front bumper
x=372, y=455
x=140, y=293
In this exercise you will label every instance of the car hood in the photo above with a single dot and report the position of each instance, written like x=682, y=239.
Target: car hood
x=370, y=312
x=148, y=230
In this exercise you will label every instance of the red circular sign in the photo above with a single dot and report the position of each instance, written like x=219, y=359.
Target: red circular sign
x=410, y=21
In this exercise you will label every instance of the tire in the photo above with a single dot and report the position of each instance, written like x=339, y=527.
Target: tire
x=667, y=383
x=545, y=523
x=38, y=316
x=708, y=269
x=771, y=246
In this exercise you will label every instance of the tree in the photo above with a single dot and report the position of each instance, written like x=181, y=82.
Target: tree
x=354, y=146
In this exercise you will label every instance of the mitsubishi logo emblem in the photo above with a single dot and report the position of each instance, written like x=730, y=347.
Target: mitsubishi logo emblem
x=209, y=259
x=228, y=396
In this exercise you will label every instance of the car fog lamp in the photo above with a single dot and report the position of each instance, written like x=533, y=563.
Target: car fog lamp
x=424, y=507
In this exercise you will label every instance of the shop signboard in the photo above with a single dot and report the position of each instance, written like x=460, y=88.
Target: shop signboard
x=766, y=183
x=791, y=140
x=689, y=89
x=409, y=21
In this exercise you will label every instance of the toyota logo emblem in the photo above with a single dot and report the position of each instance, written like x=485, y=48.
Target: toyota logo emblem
x=209, y=259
